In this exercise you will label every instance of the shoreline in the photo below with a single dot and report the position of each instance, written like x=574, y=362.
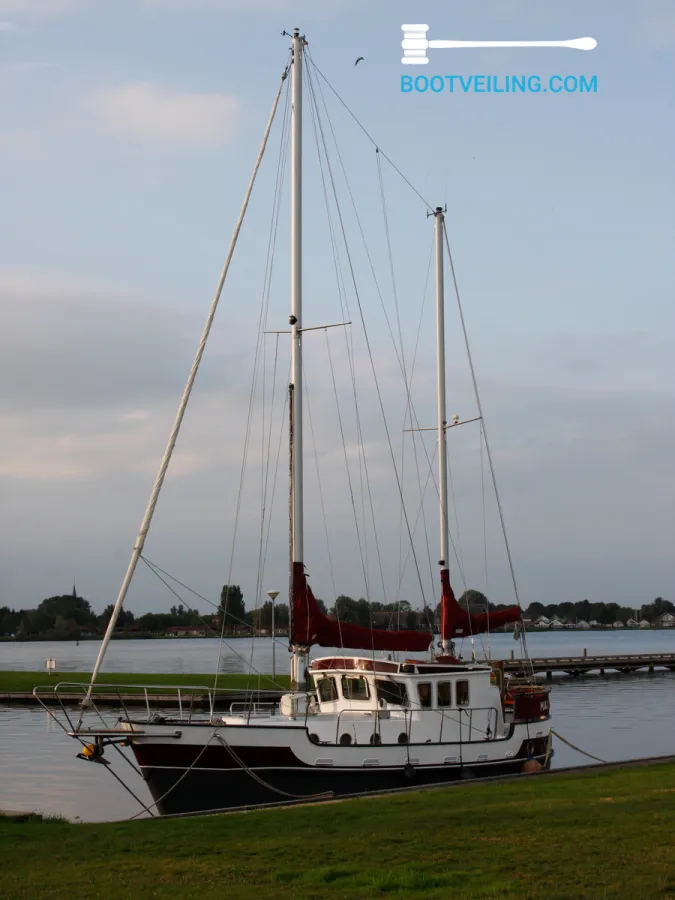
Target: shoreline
x=163, y=636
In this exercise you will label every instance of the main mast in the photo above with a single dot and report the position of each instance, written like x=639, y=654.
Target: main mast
x=299, y=654
x=442, y=416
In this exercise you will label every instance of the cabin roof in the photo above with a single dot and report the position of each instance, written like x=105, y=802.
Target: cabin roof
x=408, y=667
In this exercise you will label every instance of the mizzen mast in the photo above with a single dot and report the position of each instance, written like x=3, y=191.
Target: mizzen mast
x=442, y=415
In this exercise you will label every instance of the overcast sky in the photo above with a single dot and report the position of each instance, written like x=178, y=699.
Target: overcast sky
x=129, y=130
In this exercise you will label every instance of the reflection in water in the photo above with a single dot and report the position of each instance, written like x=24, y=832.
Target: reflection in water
x=613, y=717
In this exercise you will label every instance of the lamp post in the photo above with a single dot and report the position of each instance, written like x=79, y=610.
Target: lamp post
x=273, y=596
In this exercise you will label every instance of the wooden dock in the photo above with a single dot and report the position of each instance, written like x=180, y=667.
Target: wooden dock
x=581, y=665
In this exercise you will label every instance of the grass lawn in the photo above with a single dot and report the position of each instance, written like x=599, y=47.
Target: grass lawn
x=604, y=834
x=26, y=681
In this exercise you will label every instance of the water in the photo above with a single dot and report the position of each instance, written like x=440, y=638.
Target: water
x=200, y=655
x=614, y=717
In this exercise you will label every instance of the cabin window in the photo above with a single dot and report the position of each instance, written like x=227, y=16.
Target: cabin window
x=444, y=693
x=355, y=687
x=462, y=693
x=392, y=692
x=327, y=690
x=424, y=692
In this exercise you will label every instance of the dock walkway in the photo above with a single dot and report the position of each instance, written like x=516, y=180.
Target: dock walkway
x=579, y=665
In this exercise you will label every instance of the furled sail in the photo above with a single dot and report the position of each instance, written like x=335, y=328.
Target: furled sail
x=457, y=622
x=310, y=626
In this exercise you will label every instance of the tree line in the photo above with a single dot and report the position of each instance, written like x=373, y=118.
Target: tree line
x=604, y=613
x=69, y=616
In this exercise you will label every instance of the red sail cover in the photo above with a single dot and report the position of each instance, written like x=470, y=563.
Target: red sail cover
x=457, y=622
x=311, y=626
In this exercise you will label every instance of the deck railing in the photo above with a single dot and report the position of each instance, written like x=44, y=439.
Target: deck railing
x=186, y=702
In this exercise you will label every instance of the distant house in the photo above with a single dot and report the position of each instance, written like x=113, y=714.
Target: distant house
x=382, y=619
x=186, y=631
x=595, y=624
x=542, y=622
x=667, y=620
x=556, y=623
x=618, y=624
x=582, y=624
x=631, y=623
x=645, y=624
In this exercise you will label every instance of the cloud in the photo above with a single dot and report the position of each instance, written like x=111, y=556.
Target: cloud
x=150, y=112
x=31, y=65
x=278, y=6
x=35, y=7
x=96, y=376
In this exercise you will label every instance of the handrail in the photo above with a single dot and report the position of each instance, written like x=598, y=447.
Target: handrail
x=458, y=715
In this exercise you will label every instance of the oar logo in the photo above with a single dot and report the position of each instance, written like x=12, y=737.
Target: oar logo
x=415, y=44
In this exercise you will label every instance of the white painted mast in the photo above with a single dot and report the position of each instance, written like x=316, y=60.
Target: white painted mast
x=299, y=654
x=442, y=416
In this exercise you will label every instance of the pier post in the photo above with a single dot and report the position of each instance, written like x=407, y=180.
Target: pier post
x=585, y=652
x=549, y=675
x=513, y=655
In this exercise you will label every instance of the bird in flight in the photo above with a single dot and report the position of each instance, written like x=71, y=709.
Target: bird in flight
x=358, y=60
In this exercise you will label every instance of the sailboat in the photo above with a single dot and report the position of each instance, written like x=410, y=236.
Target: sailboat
x=353, y=722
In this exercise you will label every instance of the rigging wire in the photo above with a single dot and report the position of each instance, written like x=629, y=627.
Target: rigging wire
x=367, y=133
x=386, y=316
x=485, y=437
x=344, y=450
x=164, y=465
x=344, y=306
x=408, y=416
x=363, y=464
x=264, y=308
x=267, y=285
x=318, y=478
x=385, y=216
x=366, y=335
x=155, y=569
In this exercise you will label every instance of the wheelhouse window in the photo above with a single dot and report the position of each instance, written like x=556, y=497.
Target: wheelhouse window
x=392, y=692
x=444, y=693
x=424, y=693
x=355, y=687
x=327, y=689
x=462, y=693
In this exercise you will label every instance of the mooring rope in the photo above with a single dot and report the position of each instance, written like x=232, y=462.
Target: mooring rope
x=574, y=747
x=326, y=795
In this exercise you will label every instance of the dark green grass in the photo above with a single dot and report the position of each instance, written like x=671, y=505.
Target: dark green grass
x=26, y=681
x=605, y=834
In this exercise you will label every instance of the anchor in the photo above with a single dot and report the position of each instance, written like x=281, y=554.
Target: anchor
x=415, y=44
